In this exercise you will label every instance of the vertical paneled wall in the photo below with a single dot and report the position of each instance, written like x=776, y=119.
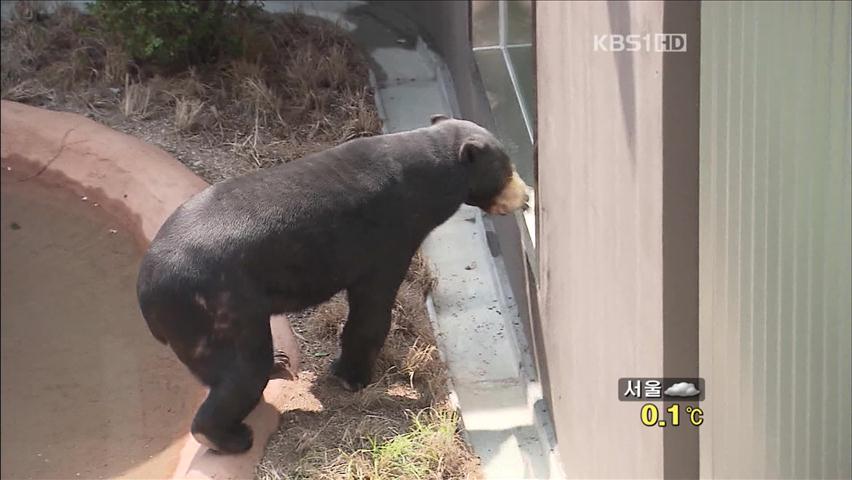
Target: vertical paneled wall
x=775, y=245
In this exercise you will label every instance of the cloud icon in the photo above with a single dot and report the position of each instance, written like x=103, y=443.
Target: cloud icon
x=682, y=389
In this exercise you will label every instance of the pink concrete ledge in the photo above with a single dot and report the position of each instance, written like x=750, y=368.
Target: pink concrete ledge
x=140, y=185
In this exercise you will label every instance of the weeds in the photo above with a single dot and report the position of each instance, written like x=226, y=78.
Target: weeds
x=137, y=98
x=429, y=449
x=187, y=113
x=175, y=33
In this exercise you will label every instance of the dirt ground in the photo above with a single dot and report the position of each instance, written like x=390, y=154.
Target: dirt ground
x=83, y=384
x=303, y=88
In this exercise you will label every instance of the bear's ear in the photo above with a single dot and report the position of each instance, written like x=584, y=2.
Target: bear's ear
x=438, y=117
x=470, y=149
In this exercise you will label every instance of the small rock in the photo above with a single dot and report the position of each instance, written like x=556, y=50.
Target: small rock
x=84, y=198
x=113, y=231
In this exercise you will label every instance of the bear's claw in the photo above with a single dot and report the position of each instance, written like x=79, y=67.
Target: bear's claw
x=281, y=366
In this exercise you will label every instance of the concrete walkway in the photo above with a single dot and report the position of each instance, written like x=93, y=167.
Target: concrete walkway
x=472, y=307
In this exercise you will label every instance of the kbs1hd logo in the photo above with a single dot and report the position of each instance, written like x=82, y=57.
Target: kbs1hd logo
x=682, y=395
x=656, y=42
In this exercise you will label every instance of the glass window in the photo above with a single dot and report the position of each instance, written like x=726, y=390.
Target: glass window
x=502, y=35
x=522, y=62
x=485, y=28
x=519, y=22
x=508, y=117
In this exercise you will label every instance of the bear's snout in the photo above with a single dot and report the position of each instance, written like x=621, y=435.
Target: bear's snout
x=512, y=197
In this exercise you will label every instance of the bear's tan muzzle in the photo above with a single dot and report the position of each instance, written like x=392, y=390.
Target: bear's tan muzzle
x=513, y=196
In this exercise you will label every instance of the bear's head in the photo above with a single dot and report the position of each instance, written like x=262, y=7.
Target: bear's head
x=493, y=183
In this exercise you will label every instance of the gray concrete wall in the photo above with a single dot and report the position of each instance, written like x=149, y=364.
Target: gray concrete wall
x=444, y=25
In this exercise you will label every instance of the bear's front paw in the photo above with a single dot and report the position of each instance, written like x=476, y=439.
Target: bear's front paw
x=352, y=377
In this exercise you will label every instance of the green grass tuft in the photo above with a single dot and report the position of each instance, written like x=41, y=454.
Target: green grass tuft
x=429, y=450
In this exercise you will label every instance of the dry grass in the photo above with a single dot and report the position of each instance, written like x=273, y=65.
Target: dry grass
x=137, y=98
x=427, y=450
x=27, y=91
x=57, y=51
x=187, y=113
x=116, y=61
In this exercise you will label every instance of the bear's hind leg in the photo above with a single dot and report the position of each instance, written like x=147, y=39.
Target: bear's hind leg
x=218, y=424
x=370, y=304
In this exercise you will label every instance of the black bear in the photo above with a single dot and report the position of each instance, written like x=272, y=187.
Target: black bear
x=284, y=238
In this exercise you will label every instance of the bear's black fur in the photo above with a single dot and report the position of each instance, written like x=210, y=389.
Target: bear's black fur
x=288, y=237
